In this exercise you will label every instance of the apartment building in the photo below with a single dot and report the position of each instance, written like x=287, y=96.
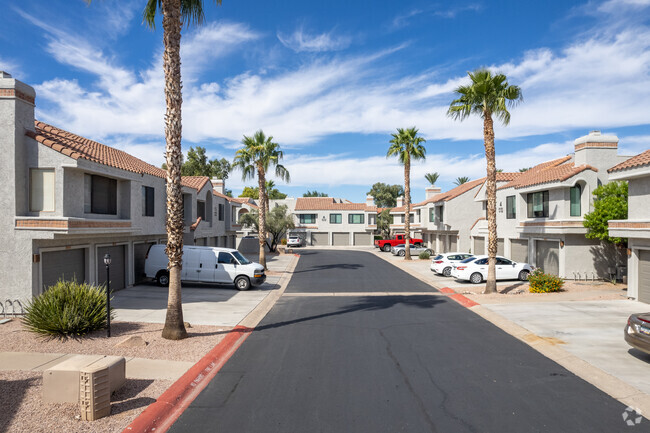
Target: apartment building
x=636, y=228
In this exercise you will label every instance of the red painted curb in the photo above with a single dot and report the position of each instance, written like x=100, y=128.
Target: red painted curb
x=161, y=414
x=446, y=290
x=461, y=299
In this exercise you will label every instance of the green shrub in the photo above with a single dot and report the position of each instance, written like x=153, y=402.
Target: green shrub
x=378, y=238
x=67, y=309
x=424, y=255
x=283, y=241
x=544, y=283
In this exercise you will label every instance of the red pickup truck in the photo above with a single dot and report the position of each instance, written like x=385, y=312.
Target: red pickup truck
x=387, y=244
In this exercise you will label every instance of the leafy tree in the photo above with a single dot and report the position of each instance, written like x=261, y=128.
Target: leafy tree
x=499, y=170
x=407, y=146
x=314, y=194
x=256, y=157
x=254, y=192
x=277, y=224
x=386, y=195
x=384, y=221
x=488, y=95
x=432, y=178
x=197, y=164
x=461, y=180
x=610, y=203
x=220, y=168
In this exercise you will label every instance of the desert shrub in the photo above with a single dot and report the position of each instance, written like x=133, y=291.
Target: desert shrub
x=377, y=237
x=283, y=241
x=67, y=309
x=544, y=283
x=424, y=255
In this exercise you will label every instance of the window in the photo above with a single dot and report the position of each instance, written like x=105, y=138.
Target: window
x=309, y=218
x=226, y=258
x=575, y=193
x=503, y=262
x=440, y=211
x=355, y=218
x=41, y=190
x=335, y=218
x=200, y=209
x=221, y=212
x=432, y=214
x=511, y=209
x=100, y=194
x=147, y=201
x=537, y=204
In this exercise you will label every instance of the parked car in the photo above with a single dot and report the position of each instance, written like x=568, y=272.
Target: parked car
x=475, y=269
x=400, y=250
x=443, y=263
x=294, y=241
x=206, y=265
x=637, y=332
x=387, y=244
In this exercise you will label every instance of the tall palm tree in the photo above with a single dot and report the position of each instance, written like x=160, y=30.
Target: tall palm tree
x=461, y=180
x=257, y=155
x=432, y=178
x=488, y=95
x=406, y=145
x=175, y=13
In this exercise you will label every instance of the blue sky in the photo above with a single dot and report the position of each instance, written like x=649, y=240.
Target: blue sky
x=332, y=80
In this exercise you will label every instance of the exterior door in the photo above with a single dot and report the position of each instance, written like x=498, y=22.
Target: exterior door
x=117, y=269
x=207, y=266
x=65, y=264
x=547, y=256
x=519, y=250
x=341, y=239
x=644, y=276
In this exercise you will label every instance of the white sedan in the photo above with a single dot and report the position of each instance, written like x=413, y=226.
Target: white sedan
x=443, y=263
x=475, y=269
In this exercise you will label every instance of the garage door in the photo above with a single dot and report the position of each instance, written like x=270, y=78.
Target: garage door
x=547, y=256
x=479, y=246
x=320, y=238
x=453, y=244
x=118, y=266
x=519, y=250
x=644, y=276
x=341, y=239
x=500, y=248
x=139, y=254
x=363, y=239
x=66, y=265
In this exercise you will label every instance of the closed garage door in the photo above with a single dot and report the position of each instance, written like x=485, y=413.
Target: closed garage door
x=500, y=247
x=644, y=276
x=320, y=239
x=139, y=255
x=453, y=244
x=362, y=239
x=66, y=265
x=341, y=239
x=118, y=266
x=479, y=246
x=519, y=250
x=547, y=256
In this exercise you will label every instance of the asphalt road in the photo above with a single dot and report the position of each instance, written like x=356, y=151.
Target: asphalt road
x=371, y=363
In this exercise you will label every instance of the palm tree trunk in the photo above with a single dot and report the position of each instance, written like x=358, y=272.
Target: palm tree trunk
x=491, y=187
x=261, y=178
x=407, y=210
x=174, y=328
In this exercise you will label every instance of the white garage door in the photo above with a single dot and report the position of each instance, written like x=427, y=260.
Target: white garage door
x=644, y=276
x=547, y=256
x=66, y=265
x=341, y=239
x=363, y=239
x=500, y=247
x=117, y=269
x=320, y=238
x=479, y=246
x=519, y=250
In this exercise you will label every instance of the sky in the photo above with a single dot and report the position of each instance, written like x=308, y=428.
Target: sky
x=331, y=80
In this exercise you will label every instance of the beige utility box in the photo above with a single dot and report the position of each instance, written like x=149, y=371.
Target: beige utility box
x=61, y=381
x=94, y=392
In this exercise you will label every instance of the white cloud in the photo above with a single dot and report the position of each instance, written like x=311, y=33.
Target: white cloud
x=10, y=67
x=301, y=41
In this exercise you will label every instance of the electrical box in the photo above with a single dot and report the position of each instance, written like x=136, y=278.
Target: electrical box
x=94, y=392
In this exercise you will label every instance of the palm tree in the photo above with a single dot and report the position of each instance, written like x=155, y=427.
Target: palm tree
x=257, y=155
x=406, y=145
x=487, y=95
x=175, y=13
x=432, y=178
x=461, y=180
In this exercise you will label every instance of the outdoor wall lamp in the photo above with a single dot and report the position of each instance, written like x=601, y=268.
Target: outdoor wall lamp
x=107, y=262
x=629, y=252
x=561, y=244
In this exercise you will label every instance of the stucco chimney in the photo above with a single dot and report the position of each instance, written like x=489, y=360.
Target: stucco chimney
x=431, y=191
x=370, y=200
x=598, y=150
x=219, y=185
x=400, y=201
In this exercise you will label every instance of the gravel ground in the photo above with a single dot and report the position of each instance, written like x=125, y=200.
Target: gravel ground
x=14, y=338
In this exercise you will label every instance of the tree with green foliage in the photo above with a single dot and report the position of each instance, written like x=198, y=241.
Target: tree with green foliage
x=254, y=192
x=384, y=220
x=610, y=203
x=461, y=180
x=432, y=178
x=197, y=164
x=314, y=194
x=278, y=222
x=385, y=195
x=487, y=95
x=407, y=146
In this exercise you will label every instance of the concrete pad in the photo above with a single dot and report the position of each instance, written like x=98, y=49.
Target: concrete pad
x=140, y=368
x=29, y=360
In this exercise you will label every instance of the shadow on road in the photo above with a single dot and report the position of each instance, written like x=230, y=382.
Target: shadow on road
x=351, y=266
x=368, y=303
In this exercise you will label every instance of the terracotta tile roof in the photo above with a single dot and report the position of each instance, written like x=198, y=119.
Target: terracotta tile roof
x=328, y=203
x=77, y=147
x=557, y=170
x=218, y=194
x=635, y=161
x=452, y=193
x=501, y=177
x=194, y=182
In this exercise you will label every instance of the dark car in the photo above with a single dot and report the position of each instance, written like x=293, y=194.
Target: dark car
x=637, y=332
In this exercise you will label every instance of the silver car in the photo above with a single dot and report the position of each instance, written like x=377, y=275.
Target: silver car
x=400, y=250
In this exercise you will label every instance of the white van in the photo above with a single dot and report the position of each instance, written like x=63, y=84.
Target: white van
x=206, y=265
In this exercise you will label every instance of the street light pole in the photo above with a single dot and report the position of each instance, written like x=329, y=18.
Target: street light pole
x=107, y=262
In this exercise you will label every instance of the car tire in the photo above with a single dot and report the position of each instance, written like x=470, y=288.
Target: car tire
x=386, y=248
x=476, y=278
x=428, y=251
x=401, y=253
x=162, y=278
x=447, y=271
x=523, y=275
x=242, y=283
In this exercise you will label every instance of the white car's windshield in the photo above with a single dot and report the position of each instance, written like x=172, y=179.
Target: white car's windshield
x=243, y=260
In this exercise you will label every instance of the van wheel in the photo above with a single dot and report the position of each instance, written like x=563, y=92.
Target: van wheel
x=386, y=248
x=242, y=283
x=162, y=278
